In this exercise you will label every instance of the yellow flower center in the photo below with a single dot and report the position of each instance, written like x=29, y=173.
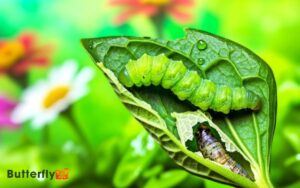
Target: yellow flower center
x=55, y=95
x=10, y=53
x=156, y=2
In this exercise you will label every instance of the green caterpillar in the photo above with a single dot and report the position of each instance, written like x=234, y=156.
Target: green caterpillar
x=186, y=84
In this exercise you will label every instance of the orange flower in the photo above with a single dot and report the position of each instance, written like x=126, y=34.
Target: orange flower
x=174, y=8
x=17, y=56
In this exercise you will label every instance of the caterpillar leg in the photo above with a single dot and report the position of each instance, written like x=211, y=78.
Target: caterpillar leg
x=211, y=148
x=242, y=97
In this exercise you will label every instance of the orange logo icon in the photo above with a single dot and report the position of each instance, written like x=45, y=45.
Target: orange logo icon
x=62, y=174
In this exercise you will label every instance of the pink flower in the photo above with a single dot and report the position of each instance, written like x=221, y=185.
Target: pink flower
x=174, y=8
x=6, y=107
x=17, y=56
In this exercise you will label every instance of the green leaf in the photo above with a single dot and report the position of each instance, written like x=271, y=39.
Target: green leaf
x=294, y=185
x=292, y=134
x=211, y=184
x=248, y=134
x=138, y=157
x=153, y=171
x=167, y=179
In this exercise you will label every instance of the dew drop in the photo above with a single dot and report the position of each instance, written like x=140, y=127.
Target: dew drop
x=200, y=61
x=201, y=45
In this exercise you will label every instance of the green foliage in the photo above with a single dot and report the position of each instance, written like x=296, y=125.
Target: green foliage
x=222, y=61
x=167, y=179
x=270, y=28
x=135, y=161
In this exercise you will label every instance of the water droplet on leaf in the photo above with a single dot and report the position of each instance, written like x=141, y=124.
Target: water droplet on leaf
x=200, y=61
x=202, y=45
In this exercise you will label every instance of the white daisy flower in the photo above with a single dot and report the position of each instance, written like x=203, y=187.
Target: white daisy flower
x=42, y=102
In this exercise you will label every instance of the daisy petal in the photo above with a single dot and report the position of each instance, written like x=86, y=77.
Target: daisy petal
x=45, y=100
x=80, y=83
x=43, y=119
x=23, y=113
x=64, y=74
x=84, y=76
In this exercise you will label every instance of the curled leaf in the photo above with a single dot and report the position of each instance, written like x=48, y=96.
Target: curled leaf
x=246, y=134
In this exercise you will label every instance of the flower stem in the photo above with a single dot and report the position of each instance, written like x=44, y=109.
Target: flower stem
x=45, y=133
x=89, y=160
x=20, y=80
x=78, y=131
x=158, y=22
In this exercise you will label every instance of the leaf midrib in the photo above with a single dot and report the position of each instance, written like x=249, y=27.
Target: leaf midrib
x=239, y=142
x=258, y=141
x=260, y=165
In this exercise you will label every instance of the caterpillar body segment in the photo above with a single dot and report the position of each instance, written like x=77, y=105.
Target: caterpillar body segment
x=204, y=94
x=222, y=100
x=186, y=84
x=185, y=87
x=174, y=73
x=212, y=149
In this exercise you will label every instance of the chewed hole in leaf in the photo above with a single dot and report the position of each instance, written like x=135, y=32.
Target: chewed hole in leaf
x=164, y=97
x=204, y=140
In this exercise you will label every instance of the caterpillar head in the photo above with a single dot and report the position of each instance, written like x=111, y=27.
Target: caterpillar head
x=125, y=78
x=255, y=101
x=201, y=133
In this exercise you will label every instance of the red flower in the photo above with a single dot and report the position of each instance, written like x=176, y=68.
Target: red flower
x=17, y=56
x=174, y=8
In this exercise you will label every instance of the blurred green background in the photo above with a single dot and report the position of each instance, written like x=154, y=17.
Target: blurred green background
x=113, y=152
